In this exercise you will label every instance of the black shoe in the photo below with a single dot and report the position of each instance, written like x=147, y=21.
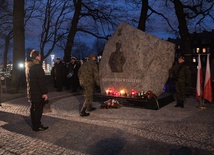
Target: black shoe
x=41, y=128
x=182, y=106
x=177, y=105
x=44, y=127
x=91, y=109
x=83, y=114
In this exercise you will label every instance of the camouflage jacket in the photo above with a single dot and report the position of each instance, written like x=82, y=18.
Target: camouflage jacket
x=88, y=73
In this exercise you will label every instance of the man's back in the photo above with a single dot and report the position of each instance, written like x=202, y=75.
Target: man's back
x=88, y=72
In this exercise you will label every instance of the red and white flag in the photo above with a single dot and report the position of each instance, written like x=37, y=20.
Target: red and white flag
x=208, y=82
x=199, y=80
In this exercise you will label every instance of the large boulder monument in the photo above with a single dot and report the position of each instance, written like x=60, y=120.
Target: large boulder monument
x=135, y=61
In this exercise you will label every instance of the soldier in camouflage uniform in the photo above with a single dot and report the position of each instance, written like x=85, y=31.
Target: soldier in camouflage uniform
x=88, y=77
x=181, y=74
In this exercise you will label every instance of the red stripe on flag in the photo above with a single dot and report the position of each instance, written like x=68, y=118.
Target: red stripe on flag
x=208, y=82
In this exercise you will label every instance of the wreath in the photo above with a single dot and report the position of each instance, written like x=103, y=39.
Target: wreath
x=111, y=103
x=147, y=95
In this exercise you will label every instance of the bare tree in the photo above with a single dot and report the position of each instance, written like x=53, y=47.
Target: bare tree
x=18, y=34
x=91, y=17
x=6, y=48
x=99, y=45
x=80, y=49
x=188, y=11
x=18, y=39
x=143, y=15
x=73, y=29
x=6, y=16
x=53, y=28
x=6, y=24
x=6, y=27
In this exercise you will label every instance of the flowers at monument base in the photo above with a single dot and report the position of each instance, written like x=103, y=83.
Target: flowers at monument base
x=131, y=94
x=150, y=95
x=111, y=103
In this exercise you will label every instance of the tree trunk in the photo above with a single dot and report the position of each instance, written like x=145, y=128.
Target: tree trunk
x=18, y=42
x=7, y=43
x=183, y=29
x=73, y=30
x=143, y=15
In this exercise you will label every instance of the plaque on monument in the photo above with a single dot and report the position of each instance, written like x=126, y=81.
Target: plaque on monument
x=134, y=61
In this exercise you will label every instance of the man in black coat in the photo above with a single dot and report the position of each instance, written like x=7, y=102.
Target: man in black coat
x=36, y=89
x=59, y=74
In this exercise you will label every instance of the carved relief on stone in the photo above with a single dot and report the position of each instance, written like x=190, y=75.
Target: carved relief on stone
x=117, y=59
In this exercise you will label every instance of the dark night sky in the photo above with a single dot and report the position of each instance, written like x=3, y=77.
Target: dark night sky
x=155, y=26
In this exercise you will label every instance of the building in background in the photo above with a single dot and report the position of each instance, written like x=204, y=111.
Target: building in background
x=202, y=43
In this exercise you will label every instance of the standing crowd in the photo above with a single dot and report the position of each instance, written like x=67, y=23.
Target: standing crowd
x=77, y=75
x=72, y=75
x=65, y=74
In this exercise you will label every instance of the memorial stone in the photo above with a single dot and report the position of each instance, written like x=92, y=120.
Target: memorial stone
x=135, y=60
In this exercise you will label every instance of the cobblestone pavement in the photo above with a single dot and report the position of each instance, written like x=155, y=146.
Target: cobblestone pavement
x=123, y=131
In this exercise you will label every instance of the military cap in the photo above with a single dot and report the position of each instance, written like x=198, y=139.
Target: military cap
x=74, y=58
x=181, y=56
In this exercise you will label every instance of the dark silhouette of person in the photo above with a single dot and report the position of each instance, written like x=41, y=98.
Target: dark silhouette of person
x=88, y=77
x=37, y=91
x=117, y=59
x=74, y=79
x=181, y=74
x=59, y=74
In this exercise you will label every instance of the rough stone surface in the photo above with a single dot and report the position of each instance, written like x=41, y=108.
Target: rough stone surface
x=146, y=65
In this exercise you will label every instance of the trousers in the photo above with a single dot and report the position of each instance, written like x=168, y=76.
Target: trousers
x=88, y=89
x=36, y=111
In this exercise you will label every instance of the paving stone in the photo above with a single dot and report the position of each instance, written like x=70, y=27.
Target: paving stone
x=106, y=131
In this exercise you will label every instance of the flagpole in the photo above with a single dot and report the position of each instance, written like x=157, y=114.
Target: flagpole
x=202, y=102
x=202, y=106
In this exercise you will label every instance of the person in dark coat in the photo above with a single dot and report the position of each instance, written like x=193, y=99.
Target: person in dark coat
x=74, y=67
x=53, y=75
x=180, y=72
x=37, y=92
x=68, y=75
x=58, y=73
x=88, y=77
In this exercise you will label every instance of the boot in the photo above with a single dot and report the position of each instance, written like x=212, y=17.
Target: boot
x=90, y=108
x=83, y=113
x=178, y=103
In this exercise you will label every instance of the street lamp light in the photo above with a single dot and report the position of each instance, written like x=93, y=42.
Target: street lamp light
x=21, y=65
